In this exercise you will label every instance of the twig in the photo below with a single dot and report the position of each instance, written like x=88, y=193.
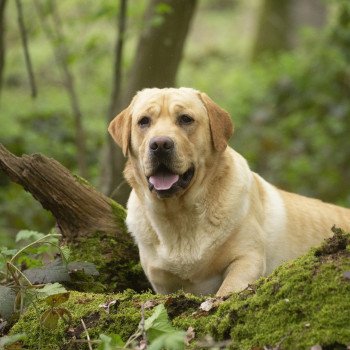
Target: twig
x=87, y=334
x=142, y=326
x=25, y=48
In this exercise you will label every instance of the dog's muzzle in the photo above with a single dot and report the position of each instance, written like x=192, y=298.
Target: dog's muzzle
x=166, y=181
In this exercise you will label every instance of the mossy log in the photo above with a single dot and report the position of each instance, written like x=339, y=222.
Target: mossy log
x=91, y=223
x=303, y=303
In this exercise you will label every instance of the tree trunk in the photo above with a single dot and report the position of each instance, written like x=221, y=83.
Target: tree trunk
x=92, y=224
x=306, y=13
x=2, y=40
x=279, y=24
x=272, y=28
x=158, y=56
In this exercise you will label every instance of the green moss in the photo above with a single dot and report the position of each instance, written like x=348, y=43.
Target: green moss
x=303, y=303
x=82, y=181
x=119, y=212
x=123, y=318
x=115, y=255
x=116, y=258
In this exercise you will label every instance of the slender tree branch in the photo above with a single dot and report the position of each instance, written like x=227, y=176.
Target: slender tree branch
x=110, y=182
x=25, y=49
x=55, y=35
x=87, y=334
x=118, y=60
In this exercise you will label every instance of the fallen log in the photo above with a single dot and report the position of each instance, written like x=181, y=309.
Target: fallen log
x=303, y=304
x=91, y=223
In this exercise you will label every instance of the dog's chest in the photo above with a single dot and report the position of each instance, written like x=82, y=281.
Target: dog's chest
x=183, y=246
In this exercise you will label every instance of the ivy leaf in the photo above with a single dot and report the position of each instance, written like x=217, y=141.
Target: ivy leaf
x=55, y=271
x=7, y=301
x=174, y=340
x=158, y=323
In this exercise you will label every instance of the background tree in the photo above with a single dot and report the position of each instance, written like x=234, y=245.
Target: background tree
x=54, y=33
x=2, y=41
x=157, y=59
x=279, y=23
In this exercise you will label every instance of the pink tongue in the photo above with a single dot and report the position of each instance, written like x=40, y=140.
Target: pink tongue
x=163, y=181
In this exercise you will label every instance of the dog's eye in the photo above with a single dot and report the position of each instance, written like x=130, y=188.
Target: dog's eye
x=144, y=122
x=185, y=119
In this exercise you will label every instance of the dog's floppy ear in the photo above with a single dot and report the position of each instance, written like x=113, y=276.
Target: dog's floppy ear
x=220, y=122
x=120, y=129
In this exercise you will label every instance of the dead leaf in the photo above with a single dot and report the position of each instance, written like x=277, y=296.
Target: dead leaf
x=190, y=335
x=106, y=306
x=207, y=305
x=149, y=304
x=210, y=304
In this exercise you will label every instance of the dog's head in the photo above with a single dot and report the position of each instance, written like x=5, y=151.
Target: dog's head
x=171, y=136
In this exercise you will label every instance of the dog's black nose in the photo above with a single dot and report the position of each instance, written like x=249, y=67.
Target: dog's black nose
x=161, y=145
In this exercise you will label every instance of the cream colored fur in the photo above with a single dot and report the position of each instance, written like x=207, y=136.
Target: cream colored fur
x=229, y=226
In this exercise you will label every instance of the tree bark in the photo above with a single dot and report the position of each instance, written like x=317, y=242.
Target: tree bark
x=160, y=47
x=2, y=40
x=272, y=28
x=279, y=24
x=91, y=224
x=157, y=59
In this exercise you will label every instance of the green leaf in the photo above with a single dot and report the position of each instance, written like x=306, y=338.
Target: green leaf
x=170, y=341
x=55, y=271
x=109, y=342
x=28, y=235
x=7, y=302
x=10, y=339
x=66, y=252
x=50, y=318
x=50, y=289
x=158, y=323
x=7, y=252
x=57, y=299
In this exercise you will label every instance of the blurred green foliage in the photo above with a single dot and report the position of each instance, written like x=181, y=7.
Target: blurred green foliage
x=291, y=112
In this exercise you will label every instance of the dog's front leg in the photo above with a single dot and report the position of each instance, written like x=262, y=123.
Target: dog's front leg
x=241, y=272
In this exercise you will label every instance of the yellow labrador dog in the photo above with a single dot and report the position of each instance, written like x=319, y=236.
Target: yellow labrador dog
x=203, y=221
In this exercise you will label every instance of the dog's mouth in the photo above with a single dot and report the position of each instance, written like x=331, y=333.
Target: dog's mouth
x=165, y=182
